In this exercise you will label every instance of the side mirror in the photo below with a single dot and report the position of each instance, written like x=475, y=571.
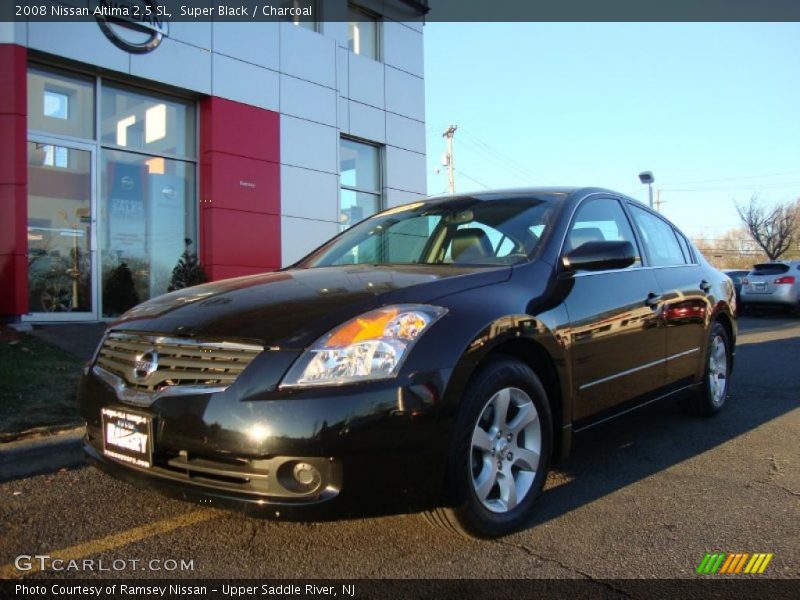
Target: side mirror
x=599, y=256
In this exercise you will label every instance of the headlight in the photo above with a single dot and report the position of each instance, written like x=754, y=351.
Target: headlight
x=371, y=346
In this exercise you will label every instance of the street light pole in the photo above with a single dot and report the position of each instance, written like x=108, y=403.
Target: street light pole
x=647, y=177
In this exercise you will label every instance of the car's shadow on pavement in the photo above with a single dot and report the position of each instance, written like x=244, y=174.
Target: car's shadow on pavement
x=623, y=451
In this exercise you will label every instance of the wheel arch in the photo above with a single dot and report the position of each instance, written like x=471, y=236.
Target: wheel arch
x=528, y=340
x=724, y=317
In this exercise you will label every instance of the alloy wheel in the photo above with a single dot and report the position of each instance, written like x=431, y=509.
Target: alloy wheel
x=718, y=370
x=505, y=450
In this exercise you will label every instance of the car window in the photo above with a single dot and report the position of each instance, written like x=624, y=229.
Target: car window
x=600, y=219
x=501, y=231
x=770, y=269
x=501, y=244
x=659, y=239
x=393, y=244
x=687, y=252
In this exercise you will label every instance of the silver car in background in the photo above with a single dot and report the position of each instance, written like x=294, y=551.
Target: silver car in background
x=773, y=283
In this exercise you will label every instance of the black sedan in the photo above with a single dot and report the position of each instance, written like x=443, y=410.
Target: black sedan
x=438, y=356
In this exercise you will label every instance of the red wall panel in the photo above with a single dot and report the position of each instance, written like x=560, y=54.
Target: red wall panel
x=13, y=149
x=216, y=272
x=242, y=239
x=13, y=219
x=239, y=188
x=239, y=129
x=13, y=100
x=241, y=183
x=13, y=181
x=14, y=284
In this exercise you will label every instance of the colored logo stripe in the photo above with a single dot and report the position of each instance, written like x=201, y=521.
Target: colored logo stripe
x=711, y=563
x=734, y=563
x=758, y=563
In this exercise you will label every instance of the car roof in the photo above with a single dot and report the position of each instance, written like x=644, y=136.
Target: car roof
x=546, y=193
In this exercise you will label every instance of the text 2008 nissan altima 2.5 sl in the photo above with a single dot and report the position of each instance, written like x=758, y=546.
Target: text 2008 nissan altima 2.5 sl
x=437, y=356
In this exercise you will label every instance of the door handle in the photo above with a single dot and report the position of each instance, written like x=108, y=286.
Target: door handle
x=705, y=286
x=652, y=300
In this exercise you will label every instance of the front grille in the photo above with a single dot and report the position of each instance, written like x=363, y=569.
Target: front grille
x=148, y=363
x=239, y=474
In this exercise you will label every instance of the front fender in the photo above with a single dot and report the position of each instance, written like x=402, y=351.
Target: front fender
x=544, y=339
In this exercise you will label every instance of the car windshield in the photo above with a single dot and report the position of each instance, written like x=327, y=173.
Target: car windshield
x=459, y=232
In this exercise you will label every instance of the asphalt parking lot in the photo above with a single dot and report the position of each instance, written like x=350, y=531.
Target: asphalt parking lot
x=644, y=496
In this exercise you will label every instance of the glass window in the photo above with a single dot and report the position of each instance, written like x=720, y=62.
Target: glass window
x=360, y=171
x=501, y=245
x=362, y=32
x=59, y=229
x=458, y=232
x=658, y=237
x=684, y=244
x=147, y=211
x=60, y=104
x=56, y=104
x=298, y=18
x=147, y=123
x=55, y=156
x=600, y=219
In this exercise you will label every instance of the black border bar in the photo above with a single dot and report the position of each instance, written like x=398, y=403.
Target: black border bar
x=702, y=586
x=420, y=10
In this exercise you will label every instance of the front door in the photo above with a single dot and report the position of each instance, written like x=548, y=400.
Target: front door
x=61, y=184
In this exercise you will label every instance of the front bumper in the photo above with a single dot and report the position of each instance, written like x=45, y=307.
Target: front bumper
x=378, y=447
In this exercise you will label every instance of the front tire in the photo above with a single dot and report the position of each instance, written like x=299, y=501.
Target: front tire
x=501, y=452
x=716, y=376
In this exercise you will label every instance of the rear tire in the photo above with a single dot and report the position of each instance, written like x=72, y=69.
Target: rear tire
x=500, y=454
x=713, y=392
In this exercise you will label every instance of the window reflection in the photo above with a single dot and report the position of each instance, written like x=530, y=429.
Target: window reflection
x=146, y=212
x=360, y=176
x=60, y=105
x=148, y=123
x=59, y=227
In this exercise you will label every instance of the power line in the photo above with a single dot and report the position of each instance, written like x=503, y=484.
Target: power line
x=483, y=185
x=724, y=179
x=511, y=161
x=766, y=186
x=485, y=154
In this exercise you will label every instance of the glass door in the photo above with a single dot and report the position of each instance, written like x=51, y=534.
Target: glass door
x=61, y=238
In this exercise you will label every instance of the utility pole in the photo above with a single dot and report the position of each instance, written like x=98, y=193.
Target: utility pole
x=450, y=167
x=658, y=200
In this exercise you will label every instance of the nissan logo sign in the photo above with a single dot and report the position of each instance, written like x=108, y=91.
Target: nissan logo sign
x=145, y=365
x=136, y=26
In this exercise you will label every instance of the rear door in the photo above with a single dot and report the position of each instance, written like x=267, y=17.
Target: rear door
x=684, y=302
x=617, y=345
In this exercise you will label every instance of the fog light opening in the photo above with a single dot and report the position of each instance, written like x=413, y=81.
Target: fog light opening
x=305, y=474
x=300, y=476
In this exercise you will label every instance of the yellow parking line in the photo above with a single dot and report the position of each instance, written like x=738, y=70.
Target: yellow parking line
x=115, y=540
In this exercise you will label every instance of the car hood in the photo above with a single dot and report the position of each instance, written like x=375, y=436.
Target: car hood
x=292, y=308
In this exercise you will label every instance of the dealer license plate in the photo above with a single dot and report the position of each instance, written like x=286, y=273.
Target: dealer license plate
x=127, y=437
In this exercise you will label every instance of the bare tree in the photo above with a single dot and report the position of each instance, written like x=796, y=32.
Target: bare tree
x=771, y=228
x=733, y=249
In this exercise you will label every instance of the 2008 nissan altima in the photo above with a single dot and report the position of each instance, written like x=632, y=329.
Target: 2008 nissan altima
x=437, y=356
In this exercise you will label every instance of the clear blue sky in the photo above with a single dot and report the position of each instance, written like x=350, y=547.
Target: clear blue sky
x=712, y=109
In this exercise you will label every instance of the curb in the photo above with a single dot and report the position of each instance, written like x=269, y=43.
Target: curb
x=25, y=458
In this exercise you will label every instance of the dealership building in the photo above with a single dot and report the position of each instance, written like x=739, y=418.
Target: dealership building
x=252, y=142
